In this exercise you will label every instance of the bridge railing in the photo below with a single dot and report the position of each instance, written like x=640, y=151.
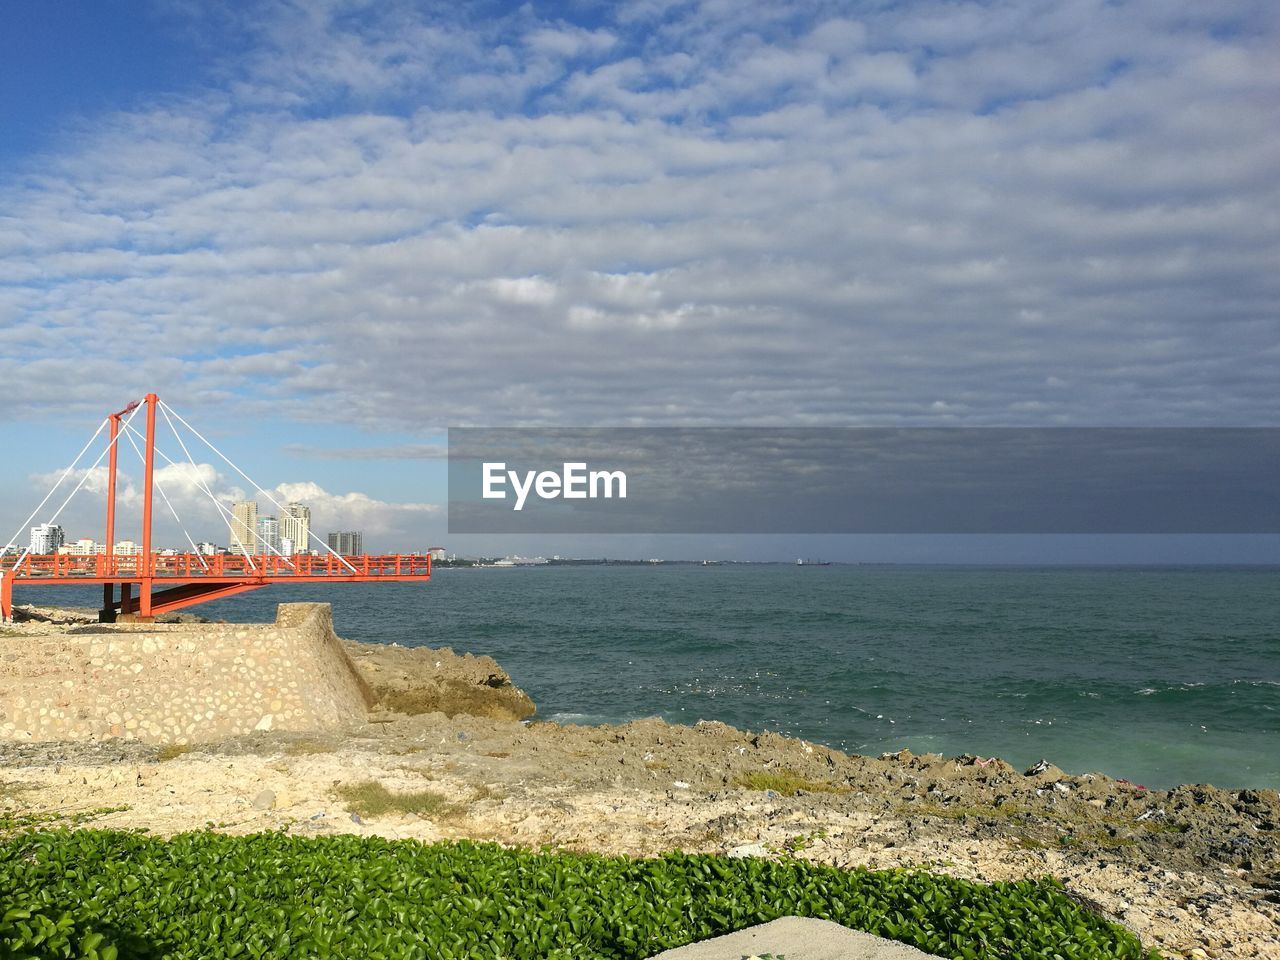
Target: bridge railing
x=192, y=566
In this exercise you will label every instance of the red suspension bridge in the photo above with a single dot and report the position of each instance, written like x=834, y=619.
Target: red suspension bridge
x=142, y=585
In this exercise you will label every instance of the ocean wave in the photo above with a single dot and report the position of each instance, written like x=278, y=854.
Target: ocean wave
x=572, y=719
x=1173, y=688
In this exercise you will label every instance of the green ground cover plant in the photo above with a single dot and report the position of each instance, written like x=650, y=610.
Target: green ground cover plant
x=368, y=798
x=103, y=895
x=786, y=782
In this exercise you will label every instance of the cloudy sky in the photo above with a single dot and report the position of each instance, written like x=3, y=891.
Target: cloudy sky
x=327, y=230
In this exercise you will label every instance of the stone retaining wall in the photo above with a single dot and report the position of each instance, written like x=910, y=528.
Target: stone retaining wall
x=179, y=683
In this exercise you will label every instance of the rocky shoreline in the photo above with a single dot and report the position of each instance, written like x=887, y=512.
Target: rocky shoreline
x=1195, y=871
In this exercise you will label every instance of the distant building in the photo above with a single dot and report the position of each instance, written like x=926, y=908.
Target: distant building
x=347, y=543
x=206, y=549
x=86, y=548
x=127, y=548
x=47, y=538
x=269, y=535
x=244, y=527
x=436, y=553
x=295, y=525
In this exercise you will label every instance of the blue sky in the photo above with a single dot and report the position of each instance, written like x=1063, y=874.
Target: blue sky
x=66, y=62
x=329, y=230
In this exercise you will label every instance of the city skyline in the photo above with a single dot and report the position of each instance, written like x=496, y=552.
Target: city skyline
x=45, y=539
x=281, y=537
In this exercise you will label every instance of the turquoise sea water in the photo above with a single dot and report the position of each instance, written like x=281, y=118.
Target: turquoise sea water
x=1160, y=675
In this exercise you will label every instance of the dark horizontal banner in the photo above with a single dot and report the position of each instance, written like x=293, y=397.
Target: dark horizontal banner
x=864, y=480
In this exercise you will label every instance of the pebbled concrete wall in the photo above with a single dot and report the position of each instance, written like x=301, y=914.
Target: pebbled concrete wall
x=180, y=683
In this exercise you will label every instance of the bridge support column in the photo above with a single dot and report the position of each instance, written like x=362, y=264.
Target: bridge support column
x=6, y=597
x=147, y=560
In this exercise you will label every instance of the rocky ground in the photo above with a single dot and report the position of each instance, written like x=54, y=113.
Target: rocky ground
x=1194, y=871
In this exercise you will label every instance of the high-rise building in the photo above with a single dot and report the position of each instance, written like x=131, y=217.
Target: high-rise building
x=269, y=535
x=47, y=538
x=348, y=543
x=244, y=527
x=295, y=525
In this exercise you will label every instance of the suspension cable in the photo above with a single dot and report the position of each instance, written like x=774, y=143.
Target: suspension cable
x=165, y=497
x=17, y=533
x=225, y=513
x=86, y=476
x=269, y=547
x=250, y=480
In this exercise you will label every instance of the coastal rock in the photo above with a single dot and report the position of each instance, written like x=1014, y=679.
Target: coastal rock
x=1046, y=771
x=265, y=800
x=1193, y=867
x=28, y=613
x=418, y=680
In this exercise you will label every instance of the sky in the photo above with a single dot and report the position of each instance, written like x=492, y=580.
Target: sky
x=327, y=231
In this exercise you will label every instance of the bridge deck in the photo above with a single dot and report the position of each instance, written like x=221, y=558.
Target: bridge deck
x=201, y=578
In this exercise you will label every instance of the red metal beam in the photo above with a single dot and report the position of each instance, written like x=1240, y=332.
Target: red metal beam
x=187, y=580
x=111, y=501
x=224, y=566
x=144, y=588
x=264, y=581
x=175, y=598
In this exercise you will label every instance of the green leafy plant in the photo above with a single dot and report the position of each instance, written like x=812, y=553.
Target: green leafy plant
x=793, y=845
x=14, y=820
x=78, y=894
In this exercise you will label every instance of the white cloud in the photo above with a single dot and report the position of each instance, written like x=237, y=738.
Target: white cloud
x=569, y=41
x=724, y=212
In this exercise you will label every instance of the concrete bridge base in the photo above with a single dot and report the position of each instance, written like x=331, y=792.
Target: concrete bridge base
x=179, y=683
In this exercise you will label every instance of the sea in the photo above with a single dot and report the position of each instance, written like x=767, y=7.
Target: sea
x=1160, y=676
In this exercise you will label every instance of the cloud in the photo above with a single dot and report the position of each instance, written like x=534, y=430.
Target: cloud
x=407, y=451
x=682, y=213
x=355, y=511
x=186, y=488
x=568, y=41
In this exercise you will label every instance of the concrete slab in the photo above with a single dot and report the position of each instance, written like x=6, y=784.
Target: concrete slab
x=796, y=938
